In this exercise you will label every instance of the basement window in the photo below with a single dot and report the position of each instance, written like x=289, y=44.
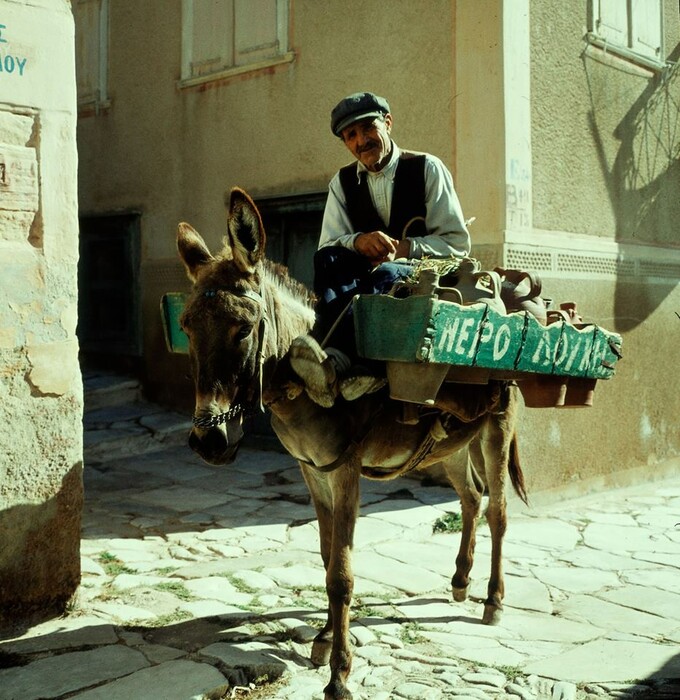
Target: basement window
x=629, y=28
x=221, y=38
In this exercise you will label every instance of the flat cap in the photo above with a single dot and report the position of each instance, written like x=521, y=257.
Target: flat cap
x=360, y=105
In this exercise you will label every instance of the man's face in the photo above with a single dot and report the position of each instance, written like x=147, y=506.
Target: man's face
x=369, y=141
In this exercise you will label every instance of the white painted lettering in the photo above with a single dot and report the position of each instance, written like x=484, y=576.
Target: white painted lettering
x=464, y=335
x=448, y=336
x=501, y=342
x=562, y=349
x=574, y=352
x=483, y=336
x=543, y=353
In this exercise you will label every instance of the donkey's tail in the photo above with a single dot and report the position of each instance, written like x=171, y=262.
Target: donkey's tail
x=515, y=471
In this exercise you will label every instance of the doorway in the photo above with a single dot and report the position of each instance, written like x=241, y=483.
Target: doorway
x=109, y=324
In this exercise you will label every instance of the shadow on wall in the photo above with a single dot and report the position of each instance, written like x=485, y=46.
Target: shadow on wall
x=40, y=556
x=643, y=180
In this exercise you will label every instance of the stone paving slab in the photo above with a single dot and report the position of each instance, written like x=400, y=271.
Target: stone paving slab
x=196, y=580
x=54, y=676
x=594, y=660
x=174, y=680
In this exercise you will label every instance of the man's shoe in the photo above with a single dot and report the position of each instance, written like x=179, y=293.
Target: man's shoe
x=354, y=387
x=316, y=369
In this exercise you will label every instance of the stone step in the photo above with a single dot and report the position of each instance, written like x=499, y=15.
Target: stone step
x=118, y=422
x=104, y=389
x=110, y=443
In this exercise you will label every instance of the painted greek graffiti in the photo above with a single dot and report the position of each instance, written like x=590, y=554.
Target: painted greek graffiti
x=10, y=63
x=515, y=343
x=463, y=338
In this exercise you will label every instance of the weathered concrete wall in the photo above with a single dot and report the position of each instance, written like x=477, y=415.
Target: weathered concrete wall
x=40, y=386
x=605, y=182
x=267, y=131
x=543, y=136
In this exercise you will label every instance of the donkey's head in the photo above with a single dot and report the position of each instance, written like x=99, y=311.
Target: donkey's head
x=225, y=320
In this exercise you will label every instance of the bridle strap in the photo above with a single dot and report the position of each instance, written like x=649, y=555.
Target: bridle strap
x=212, y=421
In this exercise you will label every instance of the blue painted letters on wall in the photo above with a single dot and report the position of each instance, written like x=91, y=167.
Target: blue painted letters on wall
x=10, y=63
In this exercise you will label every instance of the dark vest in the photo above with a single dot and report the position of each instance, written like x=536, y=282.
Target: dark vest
x=408, y=199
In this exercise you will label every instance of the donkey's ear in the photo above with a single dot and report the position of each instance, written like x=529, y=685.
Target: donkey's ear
x=192, y=250
x=245, y=230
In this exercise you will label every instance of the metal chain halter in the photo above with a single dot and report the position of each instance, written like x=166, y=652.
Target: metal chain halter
x=217, y=419
x=212, y=421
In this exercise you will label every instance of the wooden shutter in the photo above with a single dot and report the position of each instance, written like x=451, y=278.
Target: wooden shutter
x=646, y=28
x=210, y=36
x=256, y=30
x=611, y=21
x=87, y=22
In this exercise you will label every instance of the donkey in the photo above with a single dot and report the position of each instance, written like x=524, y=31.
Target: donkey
x=241, y=318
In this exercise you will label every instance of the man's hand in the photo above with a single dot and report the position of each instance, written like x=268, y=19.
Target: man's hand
x=378, y=247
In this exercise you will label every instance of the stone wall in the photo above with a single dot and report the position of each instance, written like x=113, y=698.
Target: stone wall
x=40, y=387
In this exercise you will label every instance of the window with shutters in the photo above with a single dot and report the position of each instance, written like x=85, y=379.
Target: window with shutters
x=224, y=37
x=631, y=28
x=91, y=19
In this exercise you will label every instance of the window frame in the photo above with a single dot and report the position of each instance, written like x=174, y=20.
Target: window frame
x=285, y=54
x=626, y=51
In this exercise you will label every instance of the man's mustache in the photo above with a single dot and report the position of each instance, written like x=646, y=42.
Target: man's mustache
x=369, y=146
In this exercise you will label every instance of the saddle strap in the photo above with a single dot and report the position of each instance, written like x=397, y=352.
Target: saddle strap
x=437, y=432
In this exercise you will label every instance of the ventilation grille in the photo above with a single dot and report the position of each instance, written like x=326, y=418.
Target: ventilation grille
x=579, y=264
x=529, y=260
x=651, y=268
x=594, y=265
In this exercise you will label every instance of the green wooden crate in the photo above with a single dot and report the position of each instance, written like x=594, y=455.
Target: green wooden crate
x=172, y=305
x=424, y=329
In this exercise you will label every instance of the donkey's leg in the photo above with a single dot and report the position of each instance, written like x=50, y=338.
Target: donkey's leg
x=496, y=440
x=469, y=488
x=344, y=483
x=323, y=505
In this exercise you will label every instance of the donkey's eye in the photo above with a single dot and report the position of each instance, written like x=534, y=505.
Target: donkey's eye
x=242, y=333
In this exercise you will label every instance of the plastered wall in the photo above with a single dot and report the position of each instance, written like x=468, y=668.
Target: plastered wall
x=40, y=386
x=551, y=143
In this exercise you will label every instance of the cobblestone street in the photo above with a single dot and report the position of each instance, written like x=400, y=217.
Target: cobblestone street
x=202, y=582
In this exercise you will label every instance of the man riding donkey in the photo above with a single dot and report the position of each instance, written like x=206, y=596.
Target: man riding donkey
x=386, y=211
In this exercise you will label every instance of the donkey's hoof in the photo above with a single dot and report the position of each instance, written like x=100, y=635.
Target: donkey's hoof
x=492, y=615
x=336, y=691
x=460, y=594
x=321, y=652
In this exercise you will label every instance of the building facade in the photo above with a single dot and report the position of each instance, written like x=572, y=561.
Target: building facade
x=559, y=123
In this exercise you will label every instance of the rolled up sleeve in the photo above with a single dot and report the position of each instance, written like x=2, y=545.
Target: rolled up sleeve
x=336, y=228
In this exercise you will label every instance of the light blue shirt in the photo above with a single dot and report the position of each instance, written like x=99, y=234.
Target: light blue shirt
x=447, y=233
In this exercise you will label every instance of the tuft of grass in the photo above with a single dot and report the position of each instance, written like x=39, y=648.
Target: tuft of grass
x=168, y=619
x=241, y=586
x=512, y=673
x=109, y=592
x=410, y=633
x=176, y=588
x=114, y=566
x=165, y=570
x=449, y=522
x=359, y=611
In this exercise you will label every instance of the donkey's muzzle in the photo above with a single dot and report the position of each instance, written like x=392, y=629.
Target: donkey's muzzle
x=217, y=445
